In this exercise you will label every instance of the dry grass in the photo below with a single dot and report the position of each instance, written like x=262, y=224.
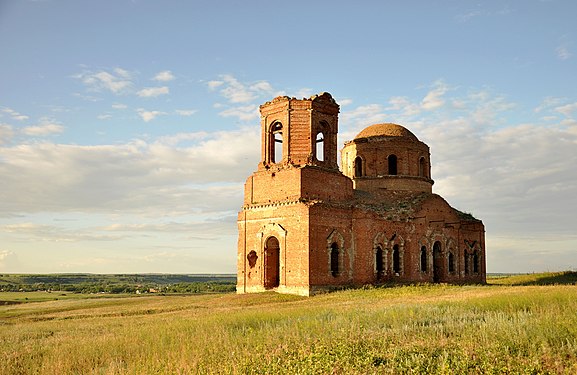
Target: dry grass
x=410, y=329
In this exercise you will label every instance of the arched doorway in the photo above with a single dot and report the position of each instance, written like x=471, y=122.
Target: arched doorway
x=437, y=263
x=271, y=263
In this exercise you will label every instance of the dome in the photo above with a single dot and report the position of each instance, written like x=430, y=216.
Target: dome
x=386, y=130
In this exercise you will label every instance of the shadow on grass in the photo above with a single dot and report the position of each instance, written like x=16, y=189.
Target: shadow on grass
x=549, y=278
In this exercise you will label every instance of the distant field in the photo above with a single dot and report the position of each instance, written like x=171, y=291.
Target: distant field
x=509, y=327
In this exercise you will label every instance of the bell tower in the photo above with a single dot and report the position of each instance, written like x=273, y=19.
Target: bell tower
x=299, y=132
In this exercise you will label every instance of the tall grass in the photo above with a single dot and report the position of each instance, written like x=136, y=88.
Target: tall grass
x=410, y=329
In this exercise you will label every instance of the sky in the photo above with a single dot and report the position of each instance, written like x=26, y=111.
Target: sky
x=128, y=128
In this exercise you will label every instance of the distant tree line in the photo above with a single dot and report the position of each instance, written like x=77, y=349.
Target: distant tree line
x=118, y=283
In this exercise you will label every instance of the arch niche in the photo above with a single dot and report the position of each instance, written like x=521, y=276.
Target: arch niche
x=271, y=263
x=438, y=263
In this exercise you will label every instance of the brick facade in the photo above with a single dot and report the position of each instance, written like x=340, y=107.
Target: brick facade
x=305, y=226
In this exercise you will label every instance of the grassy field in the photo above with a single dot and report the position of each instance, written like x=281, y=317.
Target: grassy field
x=509, y=326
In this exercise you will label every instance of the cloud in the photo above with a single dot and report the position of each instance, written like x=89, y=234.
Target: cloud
x=236, y=92
x=13, y=114
x=563, y=53
x=105, y=116
x=8, y=261
x=243, y=113
x=434, y=98
x=185, y=112
x=119, y=106
x=117, y=81
x=158, y=179
x=50, y=233
x=152, y=92
x=149, y=115
x=567, y=109
x=164, y=76
x=45, y=128
x=6, y=133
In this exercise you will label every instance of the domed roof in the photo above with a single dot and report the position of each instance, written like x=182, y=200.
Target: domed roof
x=386, y=130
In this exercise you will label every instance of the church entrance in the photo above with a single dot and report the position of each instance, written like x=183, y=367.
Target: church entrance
x=271, y=263
x=437, y=263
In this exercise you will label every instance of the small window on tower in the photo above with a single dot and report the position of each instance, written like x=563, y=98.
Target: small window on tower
x=276, y=154
x=320, y=147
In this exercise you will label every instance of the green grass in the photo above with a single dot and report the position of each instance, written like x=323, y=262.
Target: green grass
x=498, y=329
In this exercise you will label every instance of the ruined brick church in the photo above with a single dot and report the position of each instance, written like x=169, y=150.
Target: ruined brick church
x=307, y=226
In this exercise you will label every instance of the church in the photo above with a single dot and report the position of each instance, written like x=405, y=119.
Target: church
x=306, y=226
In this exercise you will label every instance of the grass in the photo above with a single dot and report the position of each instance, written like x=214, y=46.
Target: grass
x=499, y=329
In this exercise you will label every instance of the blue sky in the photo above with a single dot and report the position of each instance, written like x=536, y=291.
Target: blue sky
x=127, y=128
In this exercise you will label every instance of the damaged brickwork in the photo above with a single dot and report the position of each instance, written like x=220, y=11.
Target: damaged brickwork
x=306, y=227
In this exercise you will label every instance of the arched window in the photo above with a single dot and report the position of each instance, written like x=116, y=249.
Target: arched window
x=423, y=259
x=276, y=154
x=392, y=159
x=379, y=262
x=451, y=263
x=320, y=147
x=334, y=259
x=422, y=167
x=467, y=257
x=358, y=166
x=475, y=262
x=396, y=260
x=438, y=267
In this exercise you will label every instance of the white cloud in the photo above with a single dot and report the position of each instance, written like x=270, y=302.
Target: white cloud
x=434, y=98
x=149, y=115
x=156, y=179
x=14, y=115
x=345, y=102
x=8, y=261
x=152, y=92
x=164, y=76
x=6, y=133
x=118, y=81
x=567, y=109
x=237, y=92
x=119, y=106
x=244, y=113
x=563, y=53
x=105, y=116
x=214, y=84
x=44, y=128
x=185, y=112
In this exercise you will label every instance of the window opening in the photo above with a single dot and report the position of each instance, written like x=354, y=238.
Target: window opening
x=467, y=263
x=379, y=262
x=334, y=259
x=423, y=259
x=422, y=172
x=437, y=262
x=476, y=262
x=396, y=260
x=276, y=154
x=320, y=147
x=358, y=166
x=392, y=159
x=451, y=263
